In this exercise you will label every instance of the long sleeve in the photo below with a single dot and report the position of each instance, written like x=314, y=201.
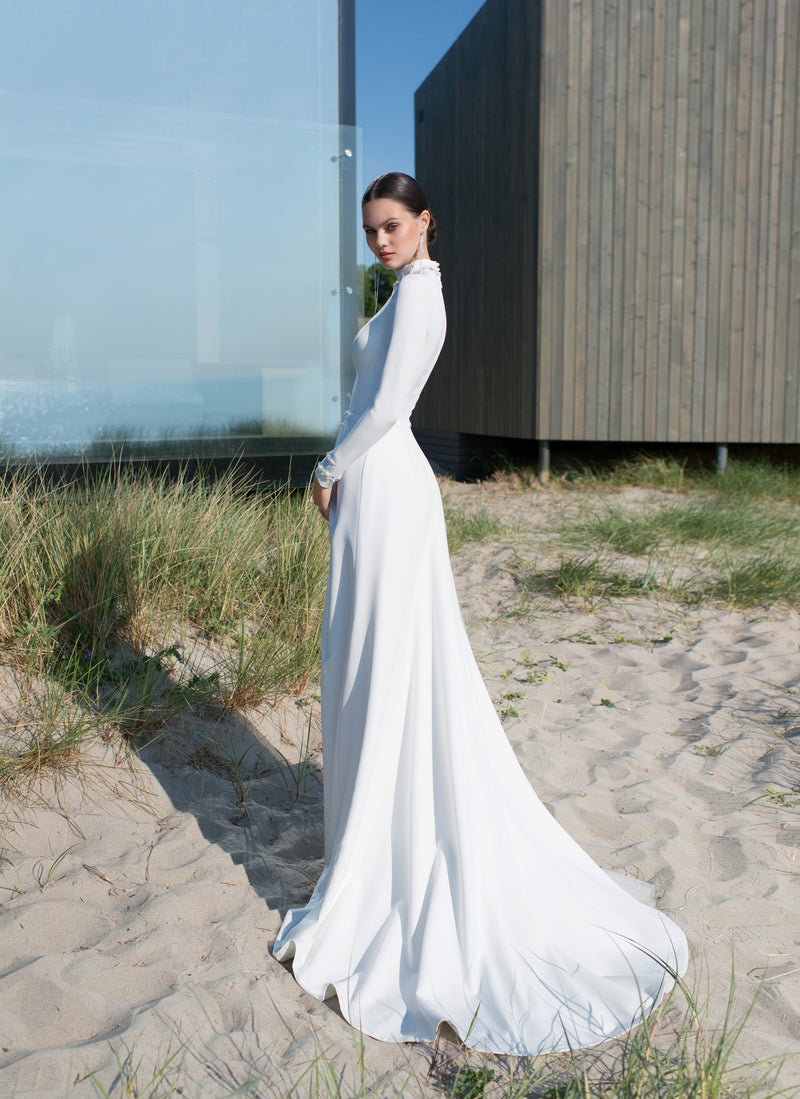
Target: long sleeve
x=416, y=339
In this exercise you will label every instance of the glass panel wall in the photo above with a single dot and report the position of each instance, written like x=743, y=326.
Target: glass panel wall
x=172, y=176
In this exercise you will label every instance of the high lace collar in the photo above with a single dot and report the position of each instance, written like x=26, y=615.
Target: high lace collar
x=418, y=265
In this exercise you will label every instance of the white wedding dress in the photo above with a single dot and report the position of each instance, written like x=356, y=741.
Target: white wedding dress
x=449, y=892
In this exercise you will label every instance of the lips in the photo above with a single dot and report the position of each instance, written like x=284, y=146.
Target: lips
x=385, y=255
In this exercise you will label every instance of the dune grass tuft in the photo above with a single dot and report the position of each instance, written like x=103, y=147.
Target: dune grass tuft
x=680, y=1052
x=465, y=526
x=109, y=590
x=743, y=555
x=737, y=536
x=725, y=524
x=641, y=470
x=743, y=480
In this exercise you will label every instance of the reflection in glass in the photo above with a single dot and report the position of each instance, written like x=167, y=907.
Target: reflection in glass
x=169, y=276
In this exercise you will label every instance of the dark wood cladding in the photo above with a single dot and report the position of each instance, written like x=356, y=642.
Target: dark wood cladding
x=477, y=158
x=649, y=150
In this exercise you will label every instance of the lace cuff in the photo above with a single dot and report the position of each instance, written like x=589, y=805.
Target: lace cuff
x=324, y=472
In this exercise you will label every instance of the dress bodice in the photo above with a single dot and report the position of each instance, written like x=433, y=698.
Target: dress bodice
x=394, y=354
x=372, y=341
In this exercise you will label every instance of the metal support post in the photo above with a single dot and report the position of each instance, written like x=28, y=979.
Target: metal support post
x=544, y=461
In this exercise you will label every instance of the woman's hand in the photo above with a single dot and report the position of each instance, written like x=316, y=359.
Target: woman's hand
x=322, y=498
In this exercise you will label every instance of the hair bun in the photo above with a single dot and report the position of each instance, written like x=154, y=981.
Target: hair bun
x=405, y=190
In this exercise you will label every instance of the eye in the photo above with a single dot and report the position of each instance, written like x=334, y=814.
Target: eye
x=368, y=231
x=391, y=228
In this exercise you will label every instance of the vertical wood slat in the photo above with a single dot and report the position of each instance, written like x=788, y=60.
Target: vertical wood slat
x=571, y=226
x=741, y=173
x=711, y=395
x=546, y=287
x=679, y=408
x=530, y=79
x=556, y=270
x=607, y=168
x=671, y=216
x=791, y=429
x=788, y=303
x=584, y=46
x=638, y=430
x=752, y=109
x=615, y=420
x=594, y=11
x=782, y=201
x=683, y=349
x=699, y=366
x=727, y=140
x=773, y=410
x=628, y=230
x=654, y=222
x=761, y=392
x=665, y=304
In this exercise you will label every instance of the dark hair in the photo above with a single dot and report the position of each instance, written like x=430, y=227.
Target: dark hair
x=405, y=190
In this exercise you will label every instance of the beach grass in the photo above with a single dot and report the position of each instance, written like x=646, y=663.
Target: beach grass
x=696, y=536
x=743, y=479
x=132, y=597
x=744, y=553
x=135, y=597
x=678, y=1052
x=732, y=525
x=465, y=527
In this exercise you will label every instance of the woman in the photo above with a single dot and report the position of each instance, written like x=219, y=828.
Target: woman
x=449, y=892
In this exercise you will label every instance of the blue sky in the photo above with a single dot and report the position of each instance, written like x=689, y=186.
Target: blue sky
x=397, y=45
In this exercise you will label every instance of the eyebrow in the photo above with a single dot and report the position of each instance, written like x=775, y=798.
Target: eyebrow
x=384, y=222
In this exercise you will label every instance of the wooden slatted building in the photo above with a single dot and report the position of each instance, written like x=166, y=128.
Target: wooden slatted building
x=617, y=184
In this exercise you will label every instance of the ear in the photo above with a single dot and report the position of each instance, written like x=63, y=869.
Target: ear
x=425, y=219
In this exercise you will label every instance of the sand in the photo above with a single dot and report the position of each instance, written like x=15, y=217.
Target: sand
x=139, y=900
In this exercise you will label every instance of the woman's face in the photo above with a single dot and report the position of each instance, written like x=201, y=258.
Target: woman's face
x=393, y=232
